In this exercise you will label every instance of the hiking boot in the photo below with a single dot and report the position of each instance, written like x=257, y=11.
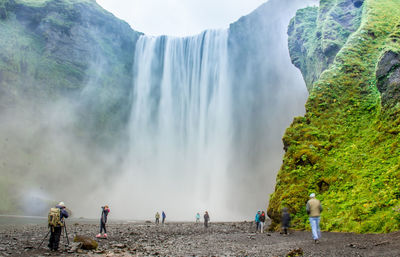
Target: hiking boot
x=98, y=236
x=316, y=241
x=105, y=235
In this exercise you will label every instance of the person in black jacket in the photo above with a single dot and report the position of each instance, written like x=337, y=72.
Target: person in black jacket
x=206, y=219
x=285, y=220
x=103, y=220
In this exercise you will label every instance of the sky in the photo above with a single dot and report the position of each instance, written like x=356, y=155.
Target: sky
x=179, y=17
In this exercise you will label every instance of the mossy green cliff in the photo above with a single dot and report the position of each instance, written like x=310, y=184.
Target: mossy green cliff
x=346, y=147
x=65, y=88
x=70, y=49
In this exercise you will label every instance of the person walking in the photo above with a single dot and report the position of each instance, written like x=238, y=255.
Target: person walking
x=157, y=218
x=257, y=220
x=197, y=217
x=206, y=219
x=103, y=220
x=56, y=223
x=314, y=209
x=262, y=221
x=285, y=220
x=163, y=217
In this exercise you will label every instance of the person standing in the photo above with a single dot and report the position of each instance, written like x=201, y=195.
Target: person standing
x=285, y=220
x=197, y=217
x=157, y=218
x=163, y=217
x=262, y=221
x=206, y=219
x=56, y=223
x=257, y=220
x=103, y=220
x=314, y=209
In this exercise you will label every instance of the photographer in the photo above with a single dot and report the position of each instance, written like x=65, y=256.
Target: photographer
x=103, y=221
x=56, y=222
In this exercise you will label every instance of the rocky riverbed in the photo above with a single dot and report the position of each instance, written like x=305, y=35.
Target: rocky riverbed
x=191, y=239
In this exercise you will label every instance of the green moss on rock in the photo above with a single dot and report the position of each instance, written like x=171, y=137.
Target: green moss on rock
x=345, y=148
x=317, y=34
x=55, y=49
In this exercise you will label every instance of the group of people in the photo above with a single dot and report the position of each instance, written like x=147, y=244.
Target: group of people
x=260, y=221
x=158, y=217
x=163, y=215
x=313, y=208
x=56, y=223
x=59, y=213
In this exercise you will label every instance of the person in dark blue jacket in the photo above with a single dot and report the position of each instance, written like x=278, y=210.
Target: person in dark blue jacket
x=285, y=220
x=163, y=217
x=56, y=228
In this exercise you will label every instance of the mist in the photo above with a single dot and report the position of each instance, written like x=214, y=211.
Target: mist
x=206, y=117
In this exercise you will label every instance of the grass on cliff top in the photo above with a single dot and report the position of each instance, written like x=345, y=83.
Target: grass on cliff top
x=344, y=148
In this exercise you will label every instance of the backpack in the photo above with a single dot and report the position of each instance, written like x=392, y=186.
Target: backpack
x=54, y=218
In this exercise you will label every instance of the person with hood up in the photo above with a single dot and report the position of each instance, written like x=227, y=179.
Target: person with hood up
x=163, y=217
x=56, y=223
x=103, y=220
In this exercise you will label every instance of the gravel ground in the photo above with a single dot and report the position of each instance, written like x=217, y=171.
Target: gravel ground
x=190, y=239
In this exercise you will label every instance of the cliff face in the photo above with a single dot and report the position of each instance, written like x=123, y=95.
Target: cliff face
x=317, y=34
x=71, y=50
x=65, y=86
x=345, y=148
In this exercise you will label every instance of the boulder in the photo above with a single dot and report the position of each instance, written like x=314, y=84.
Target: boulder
x=87, y=242
x=388, y=79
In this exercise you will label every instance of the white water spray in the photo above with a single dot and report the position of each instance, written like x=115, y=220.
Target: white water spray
x=180, y=125
x=208, y=114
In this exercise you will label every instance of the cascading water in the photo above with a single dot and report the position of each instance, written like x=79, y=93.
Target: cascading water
x=180, y=125
x=208, y=115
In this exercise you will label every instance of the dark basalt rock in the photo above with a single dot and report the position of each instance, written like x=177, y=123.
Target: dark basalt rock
x=317, y=35
x=388, y=76
x=358, y=3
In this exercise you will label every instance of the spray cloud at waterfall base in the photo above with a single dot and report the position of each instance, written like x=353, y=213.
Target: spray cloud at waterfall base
x=207, y=119
x=206, y=115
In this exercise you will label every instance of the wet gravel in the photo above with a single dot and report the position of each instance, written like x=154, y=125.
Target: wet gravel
x=191, y=239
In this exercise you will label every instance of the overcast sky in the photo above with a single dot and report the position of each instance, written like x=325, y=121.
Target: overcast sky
x=179, y=17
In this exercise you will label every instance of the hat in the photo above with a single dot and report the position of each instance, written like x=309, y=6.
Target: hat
x=61, y=204
x=312, y=195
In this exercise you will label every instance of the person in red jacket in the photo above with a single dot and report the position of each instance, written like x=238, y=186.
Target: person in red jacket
x=262, y=221
x=103, y=221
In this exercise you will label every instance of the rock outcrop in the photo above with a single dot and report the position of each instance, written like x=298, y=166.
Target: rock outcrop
x=87, y=243
x=388, y=75
x=317, y=34
x=345, y=148
x=71, y=50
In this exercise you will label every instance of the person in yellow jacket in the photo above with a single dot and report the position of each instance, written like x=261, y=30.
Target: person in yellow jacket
x=157, y=218
x=314, y=209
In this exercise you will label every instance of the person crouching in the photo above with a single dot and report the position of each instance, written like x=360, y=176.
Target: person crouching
x=103, y=221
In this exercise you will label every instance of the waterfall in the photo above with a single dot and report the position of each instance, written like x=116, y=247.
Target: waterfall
x=181, y=119
x=208, y=113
